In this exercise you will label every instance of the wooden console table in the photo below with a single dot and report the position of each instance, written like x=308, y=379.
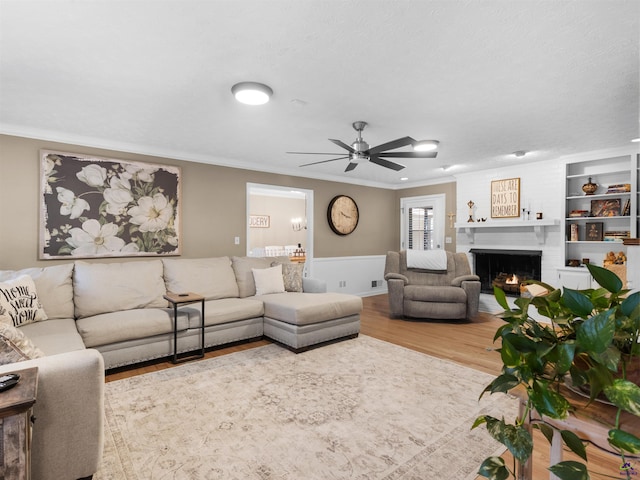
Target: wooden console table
x=15, y=426
x=590, y=423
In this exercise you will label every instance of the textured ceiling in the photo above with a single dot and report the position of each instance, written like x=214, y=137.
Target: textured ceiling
x=485, y=78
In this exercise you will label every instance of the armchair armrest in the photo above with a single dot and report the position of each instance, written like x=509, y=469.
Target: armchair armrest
x=68, y=430
x=396, y=276
x=457, y=282
x=313, y=285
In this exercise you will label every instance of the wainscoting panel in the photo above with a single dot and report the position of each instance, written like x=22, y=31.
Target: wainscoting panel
x=353, y=275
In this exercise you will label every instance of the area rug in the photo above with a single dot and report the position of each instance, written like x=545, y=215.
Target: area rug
x=358, y=409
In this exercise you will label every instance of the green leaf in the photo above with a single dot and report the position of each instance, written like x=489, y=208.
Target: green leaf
x=624, y=394
x=503, y=383
x=631, y=303
x=624, y=441
x=577, y=302
x=546, y=430
x=596, y=333
x=570, y=470
x=574, y=443
x=480, y=420
x=605, y=278
x=501, y=298
x=515, y=437
x=565, y=353
x=521, y=343
x=547, y=402
x=494, y=469
x=510, y=355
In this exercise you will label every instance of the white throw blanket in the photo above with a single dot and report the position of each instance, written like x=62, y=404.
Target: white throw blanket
x=427, y=259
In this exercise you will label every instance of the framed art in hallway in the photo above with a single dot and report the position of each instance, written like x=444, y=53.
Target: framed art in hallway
x=102, y=207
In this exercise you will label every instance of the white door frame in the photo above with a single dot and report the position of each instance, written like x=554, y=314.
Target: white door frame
x=437, y=202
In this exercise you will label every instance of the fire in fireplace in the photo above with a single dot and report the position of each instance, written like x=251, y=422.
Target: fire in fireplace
x=506, y=269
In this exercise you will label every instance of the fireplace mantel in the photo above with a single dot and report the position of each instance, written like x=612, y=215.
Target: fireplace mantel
x=537, y=226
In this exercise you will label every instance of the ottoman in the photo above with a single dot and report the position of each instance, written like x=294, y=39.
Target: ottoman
x=300, y=321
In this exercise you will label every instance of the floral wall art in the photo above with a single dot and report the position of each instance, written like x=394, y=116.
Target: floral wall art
x=98, y=207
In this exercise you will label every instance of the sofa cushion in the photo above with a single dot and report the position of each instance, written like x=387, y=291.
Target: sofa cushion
x=15, y=346
x=225, y=310
x=210, y=277
x=244, y=275
x=292, y=276
x=116, y=327
x=110, y=287
x=59, y=335
x=308, y=308
x=19, y=303
x=54, y=286
x=268, y=280
x=443, y=294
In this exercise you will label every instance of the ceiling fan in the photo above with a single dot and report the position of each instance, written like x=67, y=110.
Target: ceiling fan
x=360, y=152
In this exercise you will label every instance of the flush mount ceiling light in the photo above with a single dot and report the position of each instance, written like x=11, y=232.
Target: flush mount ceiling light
x=251, y=93
x=425, y=145
x=519, y=153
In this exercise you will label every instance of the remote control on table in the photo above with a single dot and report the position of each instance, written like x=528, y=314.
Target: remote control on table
x=8, y=381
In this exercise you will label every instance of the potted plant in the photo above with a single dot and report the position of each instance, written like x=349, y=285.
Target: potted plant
x=592, y=341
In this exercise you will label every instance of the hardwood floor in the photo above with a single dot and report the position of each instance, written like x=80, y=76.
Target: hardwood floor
x=463, y=342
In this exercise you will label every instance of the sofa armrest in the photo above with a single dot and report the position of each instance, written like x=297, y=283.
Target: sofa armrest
x=472, y=289
x=396, y=276
x=313, y=285
x=395, y=288
x=68, y=432
x=457, y=282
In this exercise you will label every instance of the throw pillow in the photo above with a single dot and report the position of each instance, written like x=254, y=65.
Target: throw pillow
x=15, y=346
x=292, y=276
x=268, y=280
x=19, y=302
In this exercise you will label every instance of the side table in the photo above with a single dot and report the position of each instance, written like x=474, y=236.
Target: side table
x=15, y=426
x=179, y=299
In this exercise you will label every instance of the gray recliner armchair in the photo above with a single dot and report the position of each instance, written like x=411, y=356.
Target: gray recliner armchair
x=453, y=293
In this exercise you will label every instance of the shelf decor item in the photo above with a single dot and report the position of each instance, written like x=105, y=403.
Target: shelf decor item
x=589, y=188
x=594, y=231
x=505, y=198
x=592, y=344
x=606, y=207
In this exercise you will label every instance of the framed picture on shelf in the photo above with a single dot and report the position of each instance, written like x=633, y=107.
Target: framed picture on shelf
x=594, y=232
x=606, y=207
x=505, y=198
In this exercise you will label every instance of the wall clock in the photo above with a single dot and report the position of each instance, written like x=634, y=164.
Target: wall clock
x=343, y=214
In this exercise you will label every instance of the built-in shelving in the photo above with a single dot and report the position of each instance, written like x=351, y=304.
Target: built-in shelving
x=619, y=168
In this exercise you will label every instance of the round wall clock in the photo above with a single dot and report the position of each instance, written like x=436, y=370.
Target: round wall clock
x=343, y=214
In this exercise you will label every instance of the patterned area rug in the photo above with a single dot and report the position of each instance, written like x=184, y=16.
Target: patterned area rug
x=358, y=409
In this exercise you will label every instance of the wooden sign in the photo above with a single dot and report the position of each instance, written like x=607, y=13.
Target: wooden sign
x=259, y=221
x=505, y=198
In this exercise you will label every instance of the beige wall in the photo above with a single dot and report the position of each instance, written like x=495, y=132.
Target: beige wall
x=213, y=206
x=280, y=211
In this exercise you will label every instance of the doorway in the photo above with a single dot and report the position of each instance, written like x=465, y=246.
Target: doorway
x=422, y=224
x=278, y=219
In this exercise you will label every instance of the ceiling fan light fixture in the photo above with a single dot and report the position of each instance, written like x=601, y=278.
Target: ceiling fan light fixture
x=519, y=154
x=426, y=145
x=252, y=93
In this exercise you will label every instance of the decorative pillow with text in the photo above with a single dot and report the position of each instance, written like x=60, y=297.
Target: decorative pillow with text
x=19, y=302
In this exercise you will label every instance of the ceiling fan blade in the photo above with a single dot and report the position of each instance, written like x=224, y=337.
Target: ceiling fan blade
x=323, y=161
x=340, y=143
x=386, y=163
x=350, y=167
x=392, y=145
x=409, y=154
x=314, y=153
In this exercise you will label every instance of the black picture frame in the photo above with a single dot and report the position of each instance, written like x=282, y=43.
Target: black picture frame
x=594, y=231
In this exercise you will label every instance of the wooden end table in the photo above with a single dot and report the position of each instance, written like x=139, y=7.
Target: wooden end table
x=180, y=299
x=15, y=423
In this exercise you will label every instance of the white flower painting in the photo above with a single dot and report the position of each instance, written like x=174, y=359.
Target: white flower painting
x=97, y=207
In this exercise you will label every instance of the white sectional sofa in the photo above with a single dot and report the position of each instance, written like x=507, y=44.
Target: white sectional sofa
x=102, y=316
